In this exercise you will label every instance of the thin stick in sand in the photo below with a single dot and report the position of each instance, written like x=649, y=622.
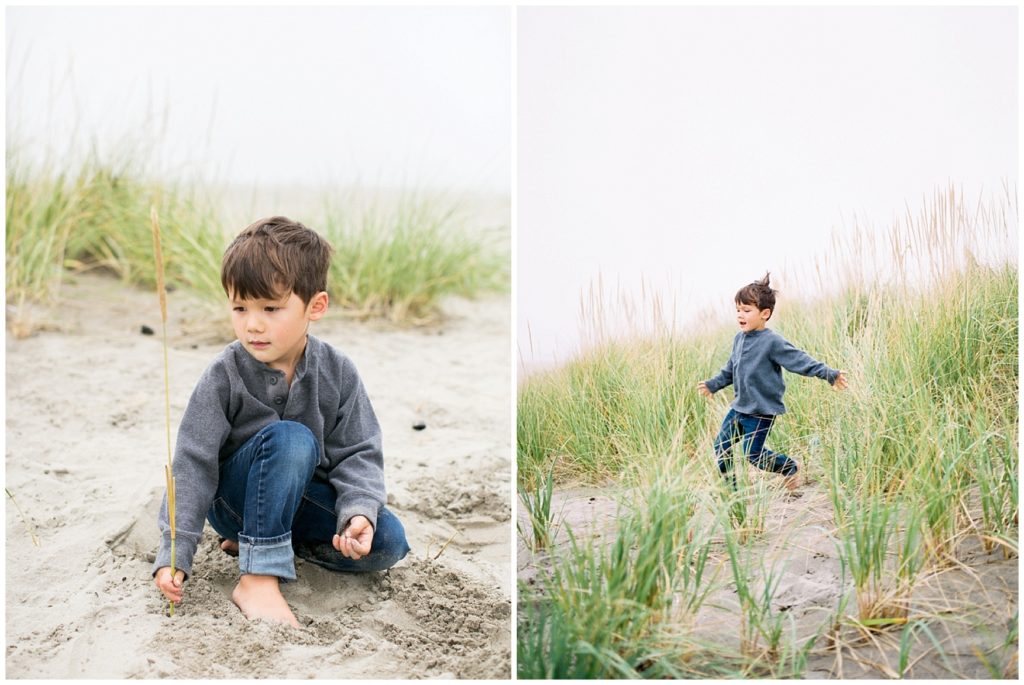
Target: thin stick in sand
x=161, y=290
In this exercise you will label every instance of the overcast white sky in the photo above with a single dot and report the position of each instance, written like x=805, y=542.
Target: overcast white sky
x=691, y=147
x=272, y=95
x=697, y=148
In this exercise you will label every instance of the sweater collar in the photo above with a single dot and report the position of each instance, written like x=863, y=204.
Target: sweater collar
x=256, y=366
x=300, y=368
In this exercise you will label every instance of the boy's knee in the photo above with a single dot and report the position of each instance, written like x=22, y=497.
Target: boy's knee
x=291, y=430
x=389, y=543
x=386, y=556
x=384, y=560
x=390, y=532
x=294, y=442
x=389, y=547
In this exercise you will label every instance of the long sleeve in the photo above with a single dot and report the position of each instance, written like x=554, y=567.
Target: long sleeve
x=723, y=379
x=354, y=447
x=203, y=430
x=795, y=360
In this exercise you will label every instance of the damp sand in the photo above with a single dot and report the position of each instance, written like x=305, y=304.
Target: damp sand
x=969, y=606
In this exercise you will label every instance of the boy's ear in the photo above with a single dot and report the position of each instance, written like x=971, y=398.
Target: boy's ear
x=770, y=312
x=318, y=305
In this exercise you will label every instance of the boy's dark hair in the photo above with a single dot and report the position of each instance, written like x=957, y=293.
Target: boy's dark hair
x=275, y=256
x=758, y=294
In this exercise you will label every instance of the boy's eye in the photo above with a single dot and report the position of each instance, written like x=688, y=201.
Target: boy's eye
x=238, y=309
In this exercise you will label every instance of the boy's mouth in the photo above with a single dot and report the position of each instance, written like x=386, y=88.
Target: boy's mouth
x=259, y=344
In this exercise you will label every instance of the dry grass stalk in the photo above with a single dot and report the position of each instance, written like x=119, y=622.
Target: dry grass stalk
x=443, y=547
x=28, y=526
x=162, y=292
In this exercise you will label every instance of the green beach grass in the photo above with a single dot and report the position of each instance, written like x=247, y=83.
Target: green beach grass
x=399, y=260
x=919, y=459
x=395, y=260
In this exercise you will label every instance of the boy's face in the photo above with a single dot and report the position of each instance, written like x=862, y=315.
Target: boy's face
x=274, y=331
x=750, y=318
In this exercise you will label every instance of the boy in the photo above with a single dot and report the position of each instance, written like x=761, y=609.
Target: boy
x=279, y=447
x=755, y=371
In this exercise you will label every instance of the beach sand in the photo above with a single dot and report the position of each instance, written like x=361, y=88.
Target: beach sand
x=86, y=448
x=968, y=607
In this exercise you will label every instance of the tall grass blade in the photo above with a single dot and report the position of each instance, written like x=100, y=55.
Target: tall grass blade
x=538, y=500
x=161, y=289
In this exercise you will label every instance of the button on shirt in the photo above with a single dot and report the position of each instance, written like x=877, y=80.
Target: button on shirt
x=277, y=392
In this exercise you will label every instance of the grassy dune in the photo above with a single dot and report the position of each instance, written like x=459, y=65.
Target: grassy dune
x=395, y=260
x=919, y=460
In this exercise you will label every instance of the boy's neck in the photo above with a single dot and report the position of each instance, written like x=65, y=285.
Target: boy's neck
x=289, y=366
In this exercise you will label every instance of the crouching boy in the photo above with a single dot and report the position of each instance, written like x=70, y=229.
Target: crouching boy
x=279, y=447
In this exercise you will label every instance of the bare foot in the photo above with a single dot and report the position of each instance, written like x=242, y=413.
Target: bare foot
x=791, y=483
x=230, y=547
x=260, y=597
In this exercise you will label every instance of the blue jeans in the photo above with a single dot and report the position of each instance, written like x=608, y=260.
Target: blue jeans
x=268, y=499
x=751, y=431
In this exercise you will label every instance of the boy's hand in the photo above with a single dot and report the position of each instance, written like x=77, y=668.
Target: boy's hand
x=354, y=542
x=702, y=388
x=171, y=588
x=840, y=383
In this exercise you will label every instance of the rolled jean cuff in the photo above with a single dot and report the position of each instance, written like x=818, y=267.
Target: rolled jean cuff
x=267, y=556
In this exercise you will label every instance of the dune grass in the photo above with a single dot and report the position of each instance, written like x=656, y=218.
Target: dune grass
x=396, y=260
x=399, y=260
x=537, y=503
x=919, y=455
x=618, y=600
x=629, y=606
x=97, y=218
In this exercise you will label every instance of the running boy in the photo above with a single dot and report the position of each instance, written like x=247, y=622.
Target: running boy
x=755, y=371
x=279, y=447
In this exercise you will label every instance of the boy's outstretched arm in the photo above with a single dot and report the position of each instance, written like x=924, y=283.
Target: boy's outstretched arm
x=795, y=360
x=722, y=380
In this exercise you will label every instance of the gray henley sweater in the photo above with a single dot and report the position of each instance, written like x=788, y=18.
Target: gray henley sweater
x=755, y=368
x=236, y=397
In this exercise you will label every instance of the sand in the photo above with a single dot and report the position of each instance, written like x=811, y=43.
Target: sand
x=968, y=607
x=86, y=446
